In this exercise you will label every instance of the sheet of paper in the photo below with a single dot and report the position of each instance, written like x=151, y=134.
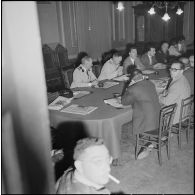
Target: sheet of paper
x=148, y=71
x=121, y=78
x=159, y=66
x=59, y=103
x=116, y=102
x=76, y=109
x=79, y=94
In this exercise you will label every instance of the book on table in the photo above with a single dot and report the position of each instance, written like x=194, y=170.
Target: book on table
x=59, y=103
x=77, y=109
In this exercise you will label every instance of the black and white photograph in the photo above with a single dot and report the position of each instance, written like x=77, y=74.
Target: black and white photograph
x=97, y=97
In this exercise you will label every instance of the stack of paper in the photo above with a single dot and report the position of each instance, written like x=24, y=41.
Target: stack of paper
x=159, y=83
x=121, y=78
x=115, y=102
x=160, y=66
x=76, y=109
x=59, y=103
x=79, y=94
x=148, y=71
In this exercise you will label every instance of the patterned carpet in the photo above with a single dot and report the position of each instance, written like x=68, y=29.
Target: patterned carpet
x=175, y=176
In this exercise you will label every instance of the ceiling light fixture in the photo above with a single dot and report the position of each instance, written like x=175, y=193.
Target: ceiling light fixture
x=120, y=6
x=179, y=11
x=166, y=15
x=152, y=11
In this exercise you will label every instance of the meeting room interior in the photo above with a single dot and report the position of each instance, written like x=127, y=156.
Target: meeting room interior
x=119, y=71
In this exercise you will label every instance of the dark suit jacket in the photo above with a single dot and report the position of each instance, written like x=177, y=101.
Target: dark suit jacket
x=146, y=61
x=189, y=74
x=128, y=62
x=145, y=103
x=162, y=57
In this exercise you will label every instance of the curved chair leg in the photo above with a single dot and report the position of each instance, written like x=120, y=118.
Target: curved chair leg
x=136, y=146
x=168, y=149
x=179, y=138
x=188, y=132
x=159, y=155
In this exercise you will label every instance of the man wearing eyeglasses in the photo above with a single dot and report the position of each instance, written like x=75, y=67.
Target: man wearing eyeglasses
x=178, y=89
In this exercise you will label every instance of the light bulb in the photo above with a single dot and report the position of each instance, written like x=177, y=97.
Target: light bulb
x=179, y=11
x=166, y=17
x=120, y=6
x=151, y=11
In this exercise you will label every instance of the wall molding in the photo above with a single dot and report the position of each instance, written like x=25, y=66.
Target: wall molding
x=72, y=17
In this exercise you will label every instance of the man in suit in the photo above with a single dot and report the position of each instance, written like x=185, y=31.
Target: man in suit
x=189, y=73
x=132, y=60
x=142, y=95
x=83, y=75
x=149, y=59
x=179, y=89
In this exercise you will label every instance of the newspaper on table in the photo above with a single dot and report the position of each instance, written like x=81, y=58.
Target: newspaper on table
x=59, y=103
x=79, y=94
x=121, y=78
x=116, y=102
x=77, y=109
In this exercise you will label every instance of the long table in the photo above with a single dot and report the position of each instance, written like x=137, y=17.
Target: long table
x=104, y=122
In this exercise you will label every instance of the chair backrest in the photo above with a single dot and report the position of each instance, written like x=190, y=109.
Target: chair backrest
x=48, y=57
x=166, y=119
x=61, y=56
x=68, y=76
x=186, y=110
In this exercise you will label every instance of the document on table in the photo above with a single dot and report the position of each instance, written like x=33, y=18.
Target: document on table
x=59, y=103
x=121, y=78
x=160, y=66
x=160, y=83
x=148, y=71
x=76, y=109
x=79, y=94
x=116, y=102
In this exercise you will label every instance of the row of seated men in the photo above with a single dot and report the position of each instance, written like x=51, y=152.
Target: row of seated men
x=112, y=67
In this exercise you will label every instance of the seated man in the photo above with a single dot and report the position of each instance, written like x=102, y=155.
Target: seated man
x=132, y=60
x=112, y=66
x=181, y=44
x=142, y=95
x=173, y=48
x=179, y=89
x=149, y=59
x=83, y=75
x=91, y=169
x=162, y=54
x=189, y=73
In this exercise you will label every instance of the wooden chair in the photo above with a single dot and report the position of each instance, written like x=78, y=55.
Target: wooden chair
x=185, y=119
x=62, y=57
x=158, y=137
x=68, y=77
x=54, y=79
